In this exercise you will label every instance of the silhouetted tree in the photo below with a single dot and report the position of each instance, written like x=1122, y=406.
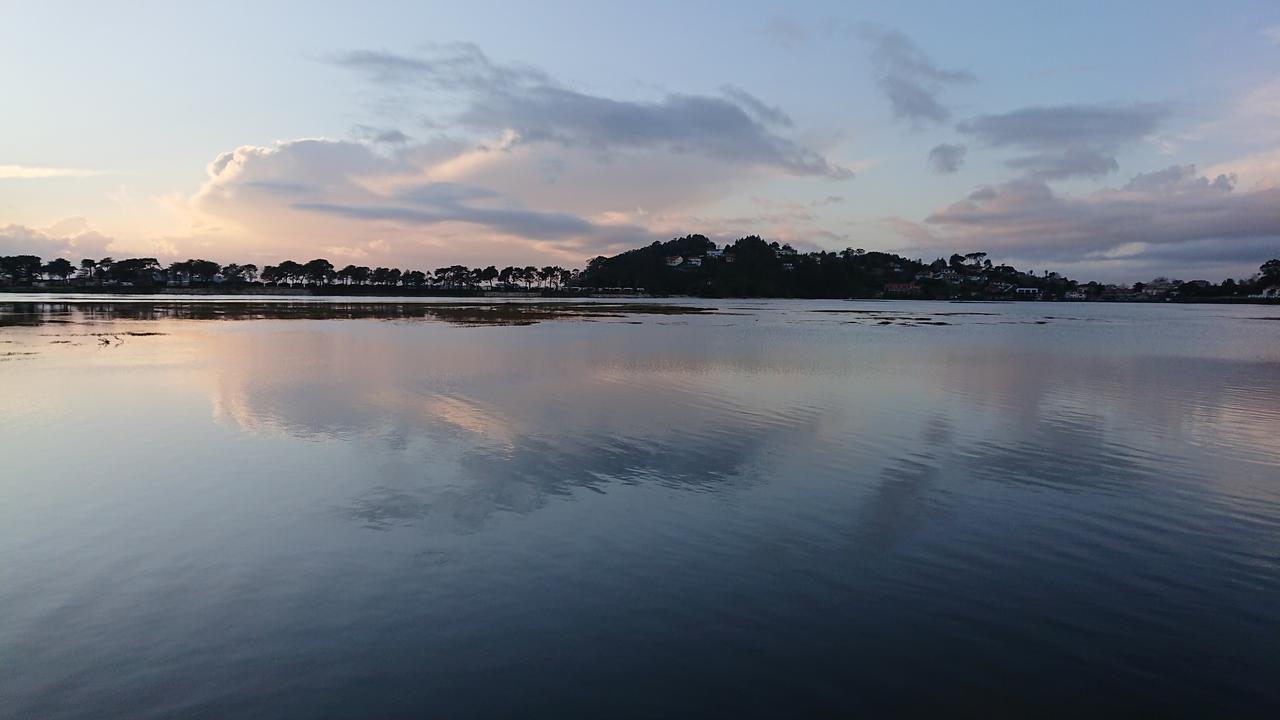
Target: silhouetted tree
x=60, y=268
x=318, y=271
x=20, y=268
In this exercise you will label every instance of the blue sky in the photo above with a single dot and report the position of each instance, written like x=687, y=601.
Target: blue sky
x=480, y=132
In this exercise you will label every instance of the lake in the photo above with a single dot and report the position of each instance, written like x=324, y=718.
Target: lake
x=240, y=508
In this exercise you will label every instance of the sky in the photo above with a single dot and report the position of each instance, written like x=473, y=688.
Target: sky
x=1109, y=141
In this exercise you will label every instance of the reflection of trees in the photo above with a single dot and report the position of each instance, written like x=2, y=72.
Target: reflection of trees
x=506, y=313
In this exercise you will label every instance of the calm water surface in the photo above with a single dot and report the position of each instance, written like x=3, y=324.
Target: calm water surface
x=716, y=508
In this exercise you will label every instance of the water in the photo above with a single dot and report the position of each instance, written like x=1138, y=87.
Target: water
x=715, y=508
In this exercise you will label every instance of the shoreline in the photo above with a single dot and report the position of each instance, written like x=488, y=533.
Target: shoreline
x=481, y=295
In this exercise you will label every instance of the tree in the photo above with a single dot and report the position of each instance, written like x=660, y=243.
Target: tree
x=289, y=271
x=104, y=268
x=318, y=271
x=196, y=270
x=60, y=268
x=138, y=271
x=20, y=268
x=1270, y=270
x=87, y=266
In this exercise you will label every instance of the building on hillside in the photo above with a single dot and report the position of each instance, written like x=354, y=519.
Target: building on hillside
x=693, y=262
x=715, y=254
x=674, y=260
x=896, y=288
x=1028, y=292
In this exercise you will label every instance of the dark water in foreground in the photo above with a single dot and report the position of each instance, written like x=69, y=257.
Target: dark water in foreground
x=757, y=509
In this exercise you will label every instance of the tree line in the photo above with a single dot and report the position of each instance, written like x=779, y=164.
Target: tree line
x=752, y=267
x=690, y=265
x=145, y=272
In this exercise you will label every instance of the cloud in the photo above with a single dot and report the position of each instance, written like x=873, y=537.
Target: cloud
x=1169, y=213
x=70, y=238
x=1256, y=171
x=786, y=33
x=1273, y=34
x=494, y=98
x=1066, y=140
x=372, y=134
x=324, y=193
x=28, y=172
x=947, y=158
x=763, y=113
x=909, y=79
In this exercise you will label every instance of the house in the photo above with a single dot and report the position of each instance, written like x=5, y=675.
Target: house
x=715, y=254
x=788, y=266
x=786, y=251
x=1028, y=291
x=693, y=262
x=899, y=288
x=674, y=260
x=1075, y=295
x=1117, y=293
x=1159, y=286
x=730, y=257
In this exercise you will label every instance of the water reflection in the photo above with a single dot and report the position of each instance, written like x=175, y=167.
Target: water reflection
x=458, y=313
x=417, y=510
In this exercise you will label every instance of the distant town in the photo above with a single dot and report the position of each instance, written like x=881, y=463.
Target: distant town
x=692, y=265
